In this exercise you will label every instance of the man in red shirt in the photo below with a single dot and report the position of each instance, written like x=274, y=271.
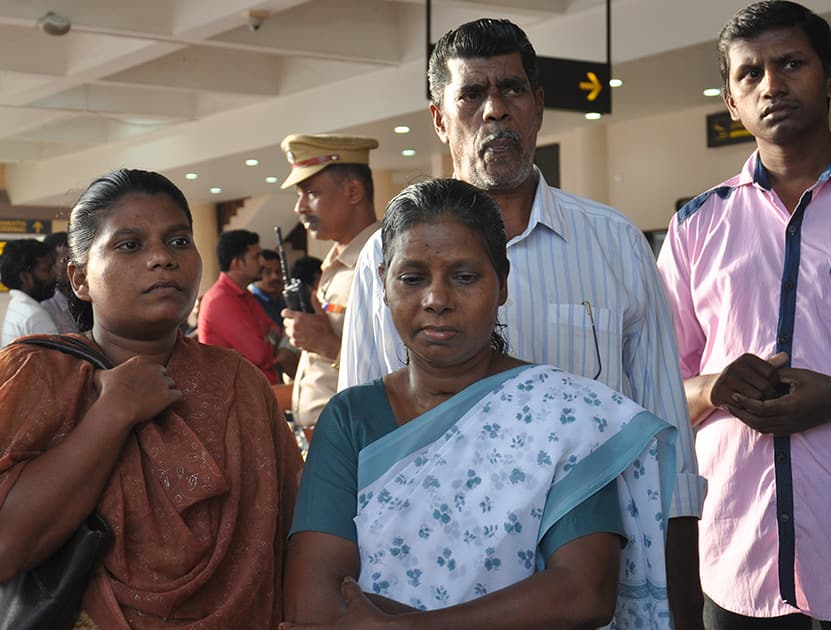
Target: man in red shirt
x=229, y=315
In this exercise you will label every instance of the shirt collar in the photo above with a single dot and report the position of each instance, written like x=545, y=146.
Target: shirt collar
x=754, y=172
x=545, y=210
x=348, y=255
x=259, y=292
x=22, y=296
x=58, y=299
x=230, y=285
x=760, y=173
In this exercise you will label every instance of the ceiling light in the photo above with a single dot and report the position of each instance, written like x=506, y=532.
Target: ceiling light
x=615, y=82
x=712, y=92
x=408, y=152
x=402, y=129
x=216, y=190
x=271, y=180
x=593, y=116
x=53, y=23
x=251, y=162
x=191, y=176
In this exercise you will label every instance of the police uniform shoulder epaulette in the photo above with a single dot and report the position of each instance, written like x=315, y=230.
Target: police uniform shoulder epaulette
x=690, y=208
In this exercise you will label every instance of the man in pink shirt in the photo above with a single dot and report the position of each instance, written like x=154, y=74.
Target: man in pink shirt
x=747, y=268
x=229, y=314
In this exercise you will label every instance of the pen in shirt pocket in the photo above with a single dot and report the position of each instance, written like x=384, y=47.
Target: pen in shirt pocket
x=588, y=306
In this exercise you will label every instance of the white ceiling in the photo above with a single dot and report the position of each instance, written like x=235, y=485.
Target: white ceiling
x=186, y=85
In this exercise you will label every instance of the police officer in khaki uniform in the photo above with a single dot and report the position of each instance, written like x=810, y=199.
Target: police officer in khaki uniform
x=334, y=202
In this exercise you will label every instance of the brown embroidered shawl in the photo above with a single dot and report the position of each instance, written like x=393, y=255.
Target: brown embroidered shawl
x=200, y=501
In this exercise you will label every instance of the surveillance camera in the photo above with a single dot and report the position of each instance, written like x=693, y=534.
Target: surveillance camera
x=53, y=23
x=256, y=19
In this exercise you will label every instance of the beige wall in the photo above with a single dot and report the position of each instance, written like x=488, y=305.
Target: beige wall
x=583, y=163
x=653, y=162
x=642, y=166
x=385, y=189
x=204, y=235
x=441, y=165
x=4, y=304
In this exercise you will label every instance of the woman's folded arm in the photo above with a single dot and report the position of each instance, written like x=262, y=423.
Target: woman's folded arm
x=577, y=589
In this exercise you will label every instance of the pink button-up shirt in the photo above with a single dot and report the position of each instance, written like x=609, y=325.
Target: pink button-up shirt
x=724, y=266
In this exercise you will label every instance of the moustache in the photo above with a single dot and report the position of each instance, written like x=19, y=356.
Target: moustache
x=502, y=134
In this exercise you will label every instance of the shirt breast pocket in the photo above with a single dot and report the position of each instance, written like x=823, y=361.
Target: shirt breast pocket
x=587, y=340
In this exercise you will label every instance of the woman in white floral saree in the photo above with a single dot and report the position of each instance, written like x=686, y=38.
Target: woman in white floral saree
x=470, y=488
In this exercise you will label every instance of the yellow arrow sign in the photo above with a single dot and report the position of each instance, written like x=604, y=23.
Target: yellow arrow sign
x=593, y=86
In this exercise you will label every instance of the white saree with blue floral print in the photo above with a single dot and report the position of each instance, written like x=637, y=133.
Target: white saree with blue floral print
x=453, y=504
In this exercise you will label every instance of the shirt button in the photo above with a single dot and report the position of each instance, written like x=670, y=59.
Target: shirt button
x=784, y=339
x=791, y=230
x=788, y=285
x=785, y=517
x=781, y=458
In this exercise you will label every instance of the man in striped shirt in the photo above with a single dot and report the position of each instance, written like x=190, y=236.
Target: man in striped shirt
x=583, y=291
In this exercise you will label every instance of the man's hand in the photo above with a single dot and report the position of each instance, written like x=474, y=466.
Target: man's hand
x=686, y=601
x=287, y=360
x=311, y=332
x=748, y=376
x=806, y=405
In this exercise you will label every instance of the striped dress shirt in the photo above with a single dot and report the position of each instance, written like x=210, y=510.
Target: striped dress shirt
x=577, y=260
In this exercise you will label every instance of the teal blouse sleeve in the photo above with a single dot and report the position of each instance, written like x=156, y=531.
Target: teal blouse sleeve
x=599, y=513
x=327, y=499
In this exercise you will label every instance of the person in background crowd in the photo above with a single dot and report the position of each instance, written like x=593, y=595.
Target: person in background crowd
x=26, y=268
x=229, y=316
x=471, y=489
x=334, y=202
x=268, y=290
x=307, y=269
x=180, y=447
x=747, y=267
x=585, y=294
x=58, y=305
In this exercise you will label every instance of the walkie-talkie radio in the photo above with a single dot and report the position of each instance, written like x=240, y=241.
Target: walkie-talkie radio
x=295, y=292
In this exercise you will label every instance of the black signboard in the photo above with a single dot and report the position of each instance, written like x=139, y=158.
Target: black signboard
x=572, y=84
x=723, y=130
x=25, y=226
x=576, y=85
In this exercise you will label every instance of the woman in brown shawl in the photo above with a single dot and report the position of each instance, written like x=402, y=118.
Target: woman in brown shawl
x=180, y=447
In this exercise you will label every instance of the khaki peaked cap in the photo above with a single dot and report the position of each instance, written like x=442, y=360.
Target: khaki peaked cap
x=310, y=154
